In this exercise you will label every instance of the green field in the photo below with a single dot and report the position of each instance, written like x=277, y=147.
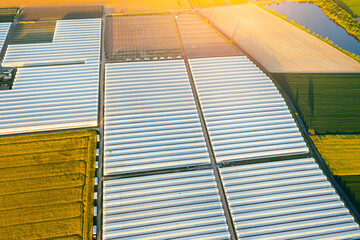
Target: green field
x=351, y=6
x=327, y=102
x=351, y=184
x=47, y=185
x=341, y=154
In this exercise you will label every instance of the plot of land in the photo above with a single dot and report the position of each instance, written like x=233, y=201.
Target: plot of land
x=208, y=3
x=47, y=185
x=8, y=14
x=58, y=12
x=141, y=36
x=29, y=33
x=341, y=153
x=328, y=103
x=276, y=44
x=354, y=6
x=351, y=184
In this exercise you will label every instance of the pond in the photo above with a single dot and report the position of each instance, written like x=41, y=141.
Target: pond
x=310, y=15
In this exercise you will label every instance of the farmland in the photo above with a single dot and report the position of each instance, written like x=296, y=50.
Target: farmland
x=276, y=44
x=341, y=153
x=8, y=14
x=353, y=5
x=207, y=3
x=351, y=184
x=47, y=185
x=328, y=103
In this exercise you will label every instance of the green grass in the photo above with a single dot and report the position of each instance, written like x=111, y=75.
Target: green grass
x=328, y=102
x=351, y=6
x=351, y=185
x=47, y=185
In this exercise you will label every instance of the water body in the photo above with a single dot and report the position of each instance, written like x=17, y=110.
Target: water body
x=310, y=15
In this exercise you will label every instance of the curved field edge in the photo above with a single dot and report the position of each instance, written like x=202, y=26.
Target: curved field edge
x=341, y=153
x=276, y=44
x=48, y=185
x=325, y=40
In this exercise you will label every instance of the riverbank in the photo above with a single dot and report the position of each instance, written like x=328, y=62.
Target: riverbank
x=324, y=39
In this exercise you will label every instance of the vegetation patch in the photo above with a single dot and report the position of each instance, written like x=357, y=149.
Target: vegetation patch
x=351, y=185
x=351, y=6
x=8, y=14
x=340, y=16
x=327, y=102
x=33, y=32
x=47, y=185
x=341, y=153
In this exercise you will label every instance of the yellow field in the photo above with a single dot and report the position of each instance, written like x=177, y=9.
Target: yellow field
x=238, y=1
x=47, y=185
x=113, y=5
x=340, y=152
x=209, y=3
x=276, y=44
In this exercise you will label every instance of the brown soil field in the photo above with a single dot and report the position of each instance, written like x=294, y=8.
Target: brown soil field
x=47, y=185
x=276, y=44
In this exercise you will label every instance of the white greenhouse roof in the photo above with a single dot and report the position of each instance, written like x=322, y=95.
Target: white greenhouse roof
x=4, y=29
x=286, y=200
x=49, y=98
x=246, y=116
x=151, y=120
x=182, y=205
x=75, y=41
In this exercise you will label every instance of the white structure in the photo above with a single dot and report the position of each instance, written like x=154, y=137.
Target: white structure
x=75, y=41
x=52, y=97
x=4, y=30
x=286, y=200
x=151, y=120
x=246, y=116
x=182, y=205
